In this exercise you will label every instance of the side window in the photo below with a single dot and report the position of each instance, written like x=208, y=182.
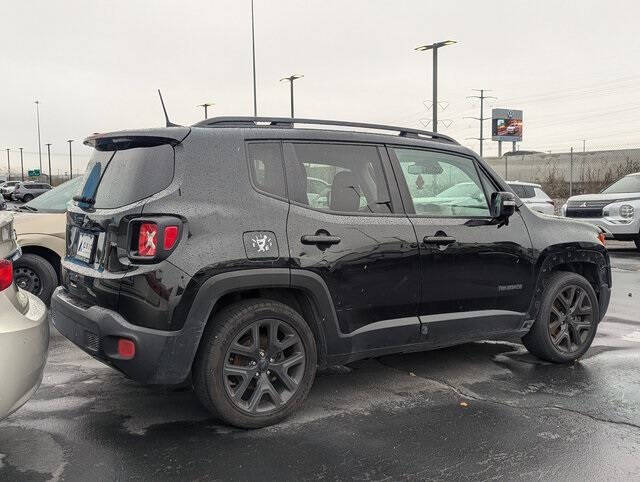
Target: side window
x=265, y=165
x=442, y=185
x=337, y=177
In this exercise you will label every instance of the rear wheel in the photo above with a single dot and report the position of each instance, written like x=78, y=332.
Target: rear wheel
x=567, y=320
x=256, y=363
x=35, y=274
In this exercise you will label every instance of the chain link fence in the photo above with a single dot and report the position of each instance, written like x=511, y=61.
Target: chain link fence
x=565, y=174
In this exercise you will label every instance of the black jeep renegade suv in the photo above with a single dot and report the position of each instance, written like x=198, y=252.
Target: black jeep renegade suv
x=241, y=254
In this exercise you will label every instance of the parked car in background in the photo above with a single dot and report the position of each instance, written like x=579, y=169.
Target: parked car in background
x=24, y=330
x=7, y=188
x=533, y=196
x=616, y=208
x=232, y=279
x=40, y=226
x=28, y=190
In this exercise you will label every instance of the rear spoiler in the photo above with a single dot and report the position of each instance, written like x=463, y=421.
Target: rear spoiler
x=116, y=141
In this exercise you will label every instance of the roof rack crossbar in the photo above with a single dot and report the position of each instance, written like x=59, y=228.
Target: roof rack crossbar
x=289, y=122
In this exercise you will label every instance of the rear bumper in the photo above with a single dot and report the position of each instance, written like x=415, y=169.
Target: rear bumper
x=162, y=357
x=24, y=342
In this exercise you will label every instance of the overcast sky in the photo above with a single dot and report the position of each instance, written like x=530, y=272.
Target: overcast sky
x=573, y=67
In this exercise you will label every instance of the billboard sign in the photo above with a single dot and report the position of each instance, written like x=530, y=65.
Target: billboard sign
x=506, y=125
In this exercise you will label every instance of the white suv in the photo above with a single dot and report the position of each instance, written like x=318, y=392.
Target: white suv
x=617, y=208
x=533, y=196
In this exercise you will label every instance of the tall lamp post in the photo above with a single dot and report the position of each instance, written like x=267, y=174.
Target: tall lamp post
x=70, y=159
x=435, y=47
x=8, y=166
x=291, y=79
x=205, y=105
x=253, y=53
x=37, y=102
x=49, y=157
x=21, y=164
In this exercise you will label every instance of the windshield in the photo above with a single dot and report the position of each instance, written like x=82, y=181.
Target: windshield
x=624, y=185
x=55, y=201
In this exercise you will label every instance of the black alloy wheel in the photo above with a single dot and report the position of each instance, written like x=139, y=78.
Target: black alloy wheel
x=571, y=319
x=264, y=366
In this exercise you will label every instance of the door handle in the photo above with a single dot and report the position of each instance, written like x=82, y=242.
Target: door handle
x=441, y=240
x=319, y=239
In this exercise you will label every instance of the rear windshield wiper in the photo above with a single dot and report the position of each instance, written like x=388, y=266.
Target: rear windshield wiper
x=84, y=200
x=27, y=208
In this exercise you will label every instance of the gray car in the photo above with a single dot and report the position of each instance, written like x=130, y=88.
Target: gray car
x=26, y=191
x=6, y=188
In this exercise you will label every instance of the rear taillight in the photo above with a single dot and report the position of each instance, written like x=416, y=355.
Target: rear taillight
x=154, y=239
x=148, y=239
x=6, y=274
x=602, y=237
x=170, y=237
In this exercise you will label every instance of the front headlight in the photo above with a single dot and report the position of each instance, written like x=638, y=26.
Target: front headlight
x=626, y=211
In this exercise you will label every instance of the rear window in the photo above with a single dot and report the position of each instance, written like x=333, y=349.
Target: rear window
x=118, y=178
x=523, y=191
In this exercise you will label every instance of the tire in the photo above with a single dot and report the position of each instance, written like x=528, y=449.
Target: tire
x=35, y=274
x=637, y=241
x=228, y=345
x=26, y=198
x=580, y=324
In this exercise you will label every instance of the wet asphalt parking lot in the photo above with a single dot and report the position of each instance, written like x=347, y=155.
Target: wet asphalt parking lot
x=478, y=411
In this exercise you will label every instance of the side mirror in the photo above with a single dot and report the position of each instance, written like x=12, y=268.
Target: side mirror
x=503, y=205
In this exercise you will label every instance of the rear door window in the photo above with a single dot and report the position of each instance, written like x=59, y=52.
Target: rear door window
x=267, y=170
x=118, y=178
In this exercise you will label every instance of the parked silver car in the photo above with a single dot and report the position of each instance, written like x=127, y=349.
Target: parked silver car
x=24, y=330
x=6, y=188
x=533, y=196
x=26, y=191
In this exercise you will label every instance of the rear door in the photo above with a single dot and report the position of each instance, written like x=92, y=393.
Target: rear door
x=477, y=275
x=354, y=234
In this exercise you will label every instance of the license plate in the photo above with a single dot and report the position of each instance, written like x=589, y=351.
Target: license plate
x=85, y=246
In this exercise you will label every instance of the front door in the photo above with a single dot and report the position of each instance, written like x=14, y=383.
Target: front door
x=347, y=226
x=477, y=275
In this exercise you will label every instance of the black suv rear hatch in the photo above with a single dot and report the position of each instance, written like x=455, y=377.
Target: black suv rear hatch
x=126, y=168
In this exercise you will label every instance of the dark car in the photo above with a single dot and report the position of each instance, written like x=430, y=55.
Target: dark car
x=194, y=254
x=26, y=191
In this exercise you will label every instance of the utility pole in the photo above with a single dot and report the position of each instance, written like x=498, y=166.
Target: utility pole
x=571, y=173
x=584, y=145
x=37, y=102
x=70, y=159
x=49, y=156
x=21, y=164
x=253, y=51
x=291, y=78
x=8, y=166
x=206, y=105
x=482, y=98
x=435, y=47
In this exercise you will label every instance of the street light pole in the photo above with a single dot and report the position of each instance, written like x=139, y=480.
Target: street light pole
x=70, y=159
x=291, y=78
x=205, y=105
x=253, y=52
x=49, y=157
x=8, y=166
x=21, y=164
x=435, y=47
x=37, y=102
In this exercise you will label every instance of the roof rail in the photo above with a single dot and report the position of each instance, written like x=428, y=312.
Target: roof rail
x=289, y=122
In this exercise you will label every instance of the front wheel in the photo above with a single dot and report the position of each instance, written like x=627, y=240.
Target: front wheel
x=567, y=319
x=256, y=363
x=36, y=275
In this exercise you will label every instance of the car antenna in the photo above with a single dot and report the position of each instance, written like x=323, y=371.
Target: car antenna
x=166, y=116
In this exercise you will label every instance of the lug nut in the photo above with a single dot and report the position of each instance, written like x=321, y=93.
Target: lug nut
x=257, y=374
x=268, y=372
x=261, y=353
x=271, y=360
